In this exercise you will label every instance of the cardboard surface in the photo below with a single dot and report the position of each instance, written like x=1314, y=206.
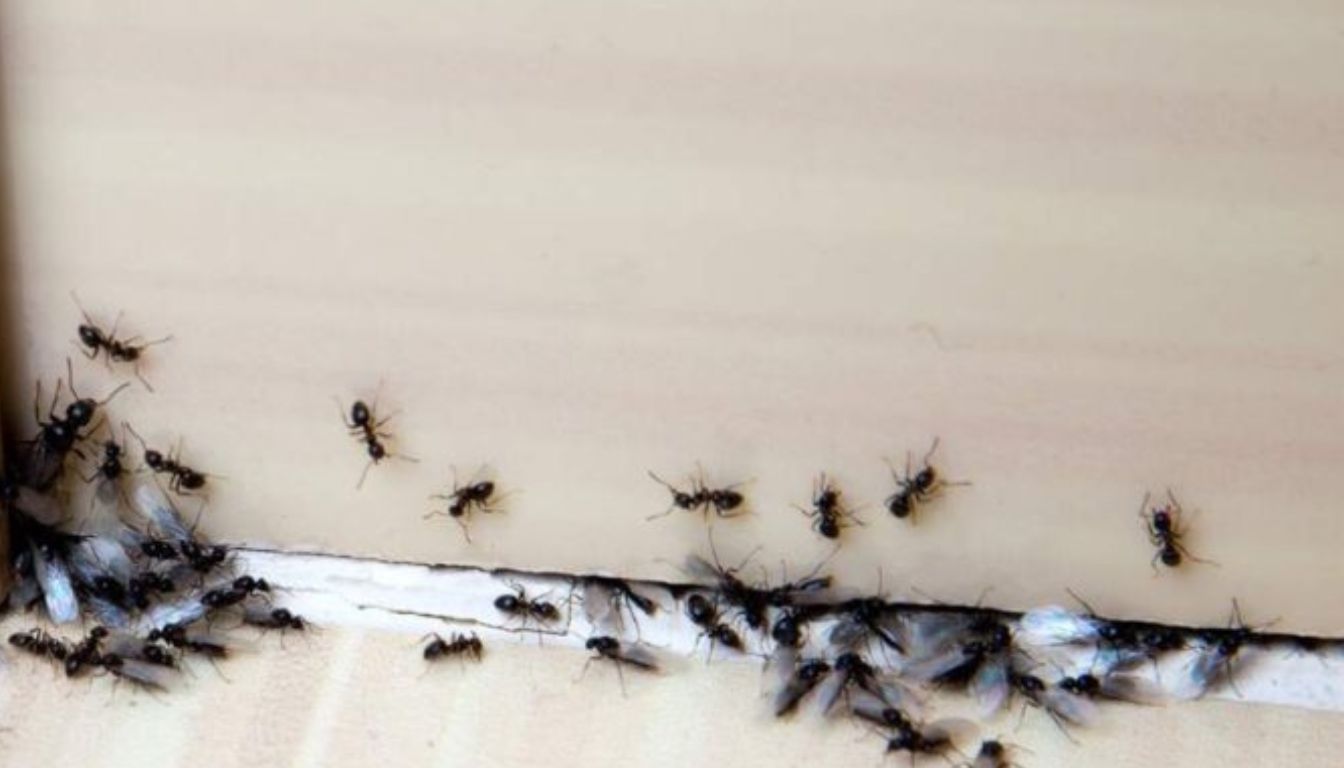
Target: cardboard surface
x=1097, y=251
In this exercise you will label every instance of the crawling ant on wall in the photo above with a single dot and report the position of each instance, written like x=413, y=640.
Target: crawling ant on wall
x=1165, y=530
x=916, y=489
x=182, y=479
x=465, y=646
x=363, y=424
x=97, y=342
x=476, y=495
x=58, y=435
x=828, y=513
x=180, y=637
x=724, y=501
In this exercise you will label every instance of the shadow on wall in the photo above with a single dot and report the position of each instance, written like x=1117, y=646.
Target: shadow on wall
x=10, y=375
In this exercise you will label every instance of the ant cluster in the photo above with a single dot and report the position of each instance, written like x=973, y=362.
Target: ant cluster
x=153, y=586
x=883, y=664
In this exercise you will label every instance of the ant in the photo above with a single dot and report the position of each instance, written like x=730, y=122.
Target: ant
x=275, y=618
x=183, y=478
x=109, y=468
x=57, y=435
x=724, y=501
x=463, y=499
x=203, y=558
x=364, y=424
x=37, y=642
x=87, y=652
x=705, y=614
x=517, y=605
x=620, y=654
x=142, y=585
x=97, y=341
x=176, y=635
x=1165, y=531
x=827, y=512
x=458, y=645
x=913, y=490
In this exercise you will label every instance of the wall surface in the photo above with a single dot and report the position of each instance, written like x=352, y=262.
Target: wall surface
x=1096, y=250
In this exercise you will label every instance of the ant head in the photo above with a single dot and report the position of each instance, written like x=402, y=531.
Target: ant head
x=360, y=415
x=81, y=412
x=482, y=489
x=507, y=603
x=1171, y=557
x=153, y=458
x=925, y=477
x=376, y=451
x=90, y=336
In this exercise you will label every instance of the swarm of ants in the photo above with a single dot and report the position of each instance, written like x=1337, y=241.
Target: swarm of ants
x=154, y=590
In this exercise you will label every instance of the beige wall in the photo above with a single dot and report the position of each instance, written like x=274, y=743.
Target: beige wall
x=1097, y=250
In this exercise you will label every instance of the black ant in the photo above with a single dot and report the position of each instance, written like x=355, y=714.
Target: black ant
x=724, y=501
x=158, y=549
x=177, y=636
x=913, y=490
x=142, y=585
x=203, y=558
x=183, y=479
x=96, y=341
x=86, y=653
x=605, y=647
x=109, y=466
x=37, y=642
x=1218, y=652
x=827, y=512
x=467, y=646
x=705, y=615
x=1165, y=531
x=516, y=604
x=274, y=618
x=364, y=424
x=751, y=603
x=57, y=435
x=463, y=499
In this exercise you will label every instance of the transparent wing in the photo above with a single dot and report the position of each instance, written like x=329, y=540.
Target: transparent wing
x=599, y=606
x=929, y=634
x=1069, y=706
x=934, y=667
x=989, y=685
x=1132, y=688
x=639, y=655
x=107, y=613
x=149, y=500
x=104, y=556
x=58, y=592
x=954, y=730
x=1053, y=625
x=145, y=674
x=185, y=610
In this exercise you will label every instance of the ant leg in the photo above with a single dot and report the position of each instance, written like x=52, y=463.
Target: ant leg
x=135, y=369
x=364, y=474
x=670, y=507
x=932, y=448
